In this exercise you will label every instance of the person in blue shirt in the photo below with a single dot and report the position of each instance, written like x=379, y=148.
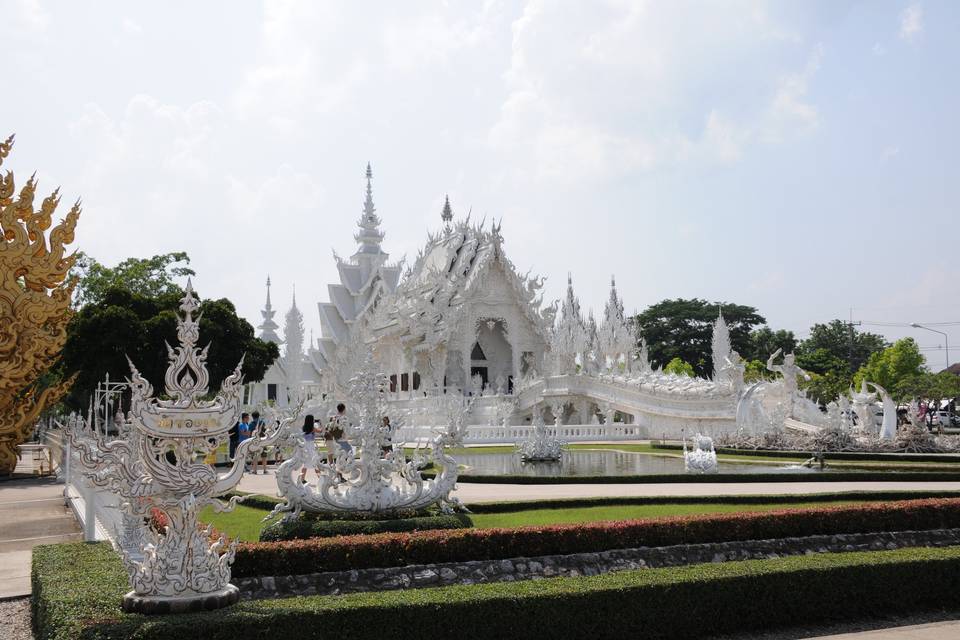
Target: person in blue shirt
x=243, y=433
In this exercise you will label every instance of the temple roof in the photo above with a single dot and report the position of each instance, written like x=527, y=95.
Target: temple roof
x=428, y=303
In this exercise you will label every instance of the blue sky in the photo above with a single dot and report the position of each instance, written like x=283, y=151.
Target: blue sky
x=795, y=156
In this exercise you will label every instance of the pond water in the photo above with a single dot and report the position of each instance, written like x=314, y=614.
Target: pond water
x=602, y=463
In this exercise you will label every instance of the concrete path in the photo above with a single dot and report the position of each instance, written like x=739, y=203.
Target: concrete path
x=932, y=631
x=477, y=492
x=32, y=512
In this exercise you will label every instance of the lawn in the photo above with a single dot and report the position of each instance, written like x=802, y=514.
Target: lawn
x=245, y=522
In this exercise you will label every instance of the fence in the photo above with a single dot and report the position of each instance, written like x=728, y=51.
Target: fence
x=512, y=434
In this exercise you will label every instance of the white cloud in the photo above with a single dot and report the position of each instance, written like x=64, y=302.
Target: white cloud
x=615, y=88
x=131, y=27
x=911, y=22
x=878, y=49
x=889, y=153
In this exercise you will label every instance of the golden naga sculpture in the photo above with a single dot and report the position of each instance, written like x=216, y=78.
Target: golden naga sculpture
x=34, y=307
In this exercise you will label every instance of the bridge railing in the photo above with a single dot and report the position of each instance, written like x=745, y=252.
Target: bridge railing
x=512, y=434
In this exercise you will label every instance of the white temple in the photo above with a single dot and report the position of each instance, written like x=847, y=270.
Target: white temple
x=463, y=320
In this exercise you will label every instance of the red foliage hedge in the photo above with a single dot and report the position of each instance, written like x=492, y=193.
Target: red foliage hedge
x=457, y=545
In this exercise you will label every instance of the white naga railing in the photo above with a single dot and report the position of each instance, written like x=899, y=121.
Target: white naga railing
x=512, y=434
x=96, y=510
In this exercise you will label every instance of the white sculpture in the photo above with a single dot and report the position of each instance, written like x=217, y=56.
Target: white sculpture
x=863, y=407
x=375, y=481
x=790, y=371
x=160, y=470
x=540, y=446
x=701, y=457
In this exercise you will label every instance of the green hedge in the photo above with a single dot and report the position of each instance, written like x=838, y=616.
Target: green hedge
x=423, y=547
x=775, y=498
x=669, y=478
x=77, y=590
x=829, y=455
x=305, y=526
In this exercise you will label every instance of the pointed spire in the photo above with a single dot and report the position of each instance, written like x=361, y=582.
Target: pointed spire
x=447, y=214
x=268, y=328
x=369, y=236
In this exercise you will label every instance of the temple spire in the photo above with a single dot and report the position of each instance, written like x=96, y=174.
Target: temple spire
x=447, y=214
x=268, y=328
x=369, y=236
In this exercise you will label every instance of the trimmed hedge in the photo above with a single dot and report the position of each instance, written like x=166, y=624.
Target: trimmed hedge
x=77, y=590
x=400, y=549
x=785, y=499
x=835, y=455
x=305, y=527
x=669, y=478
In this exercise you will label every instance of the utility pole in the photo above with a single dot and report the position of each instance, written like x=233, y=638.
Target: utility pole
x=850, y=324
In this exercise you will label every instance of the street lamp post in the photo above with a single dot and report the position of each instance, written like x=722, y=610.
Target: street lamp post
x=946, y=340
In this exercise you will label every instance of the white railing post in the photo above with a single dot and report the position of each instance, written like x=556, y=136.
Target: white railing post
x=89, y=514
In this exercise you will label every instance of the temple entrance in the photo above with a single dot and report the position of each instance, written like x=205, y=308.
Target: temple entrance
x=492, y=355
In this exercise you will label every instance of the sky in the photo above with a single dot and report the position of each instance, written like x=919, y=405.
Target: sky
x=799, y=157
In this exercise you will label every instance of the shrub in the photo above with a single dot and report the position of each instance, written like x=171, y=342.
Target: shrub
x=686, y=478
x=400, y=549
x=305, y=527
x=77, y=590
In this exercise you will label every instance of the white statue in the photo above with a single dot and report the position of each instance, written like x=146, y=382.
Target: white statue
x=863, y=407
x=161, y=469
x=375, y=480
x=540, y=446
x=790, y=371
x=701, y=457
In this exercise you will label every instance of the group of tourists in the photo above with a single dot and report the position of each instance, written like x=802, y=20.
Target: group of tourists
x=334, y=437
x=333, y=434
x=252, y=425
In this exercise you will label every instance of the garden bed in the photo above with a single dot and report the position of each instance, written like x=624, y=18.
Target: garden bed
x=307, y=526
x=77, y=590
x=399, y=549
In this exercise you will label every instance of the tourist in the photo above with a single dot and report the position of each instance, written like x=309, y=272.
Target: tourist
x=234, y=434
x=243, y=433
x=387, y=446
x=329, y=437
x=258, y=429
x=309, y=438
x=339, y=431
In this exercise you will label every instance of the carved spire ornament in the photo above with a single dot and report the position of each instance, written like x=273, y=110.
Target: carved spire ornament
x=268, y=329
x=160, y=465
x=34, y=306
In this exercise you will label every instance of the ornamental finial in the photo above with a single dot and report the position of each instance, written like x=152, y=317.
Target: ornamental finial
x=447, y=214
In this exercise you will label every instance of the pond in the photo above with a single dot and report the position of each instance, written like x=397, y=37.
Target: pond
x=602, y=463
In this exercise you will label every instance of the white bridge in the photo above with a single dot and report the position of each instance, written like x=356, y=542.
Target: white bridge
x=590, y=408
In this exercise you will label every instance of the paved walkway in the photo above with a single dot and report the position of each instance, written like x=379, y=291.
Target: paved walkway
x=32, y=512
x=480, y=492
x=932, y=631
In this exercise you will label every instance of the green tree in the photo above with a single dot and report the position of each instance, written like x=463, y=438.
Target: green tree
x=124, y=323
x=679, y=367
x=684, y=329
x=764, y=341
x=931, y=386
x=894, y=365
x=841, y=341
x=756, y=370
x=150, y=277
x=825, y=387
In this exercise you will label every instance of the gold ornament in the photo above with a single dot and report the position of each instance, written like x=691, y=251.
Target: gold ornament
x=34, y=306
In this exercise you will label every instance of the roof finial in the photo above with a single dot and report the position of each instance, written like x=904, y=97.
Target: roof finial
x=447, y=214
x=268, y=327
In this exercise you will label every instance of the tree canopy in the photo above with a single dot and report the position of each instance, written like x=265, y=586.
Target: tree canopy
x=151, y=277
x=679, y=367
x=684, y=329
x=892, y=366
x=132, y=309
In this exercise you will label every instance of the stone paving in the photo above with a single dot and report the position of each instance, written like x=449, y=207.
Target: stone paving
x=934, y=631
x=482, y=492
x=32, y=512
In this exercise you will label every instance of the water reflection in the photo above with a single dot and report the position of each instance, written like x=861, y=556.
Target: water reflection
x=600, y=463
